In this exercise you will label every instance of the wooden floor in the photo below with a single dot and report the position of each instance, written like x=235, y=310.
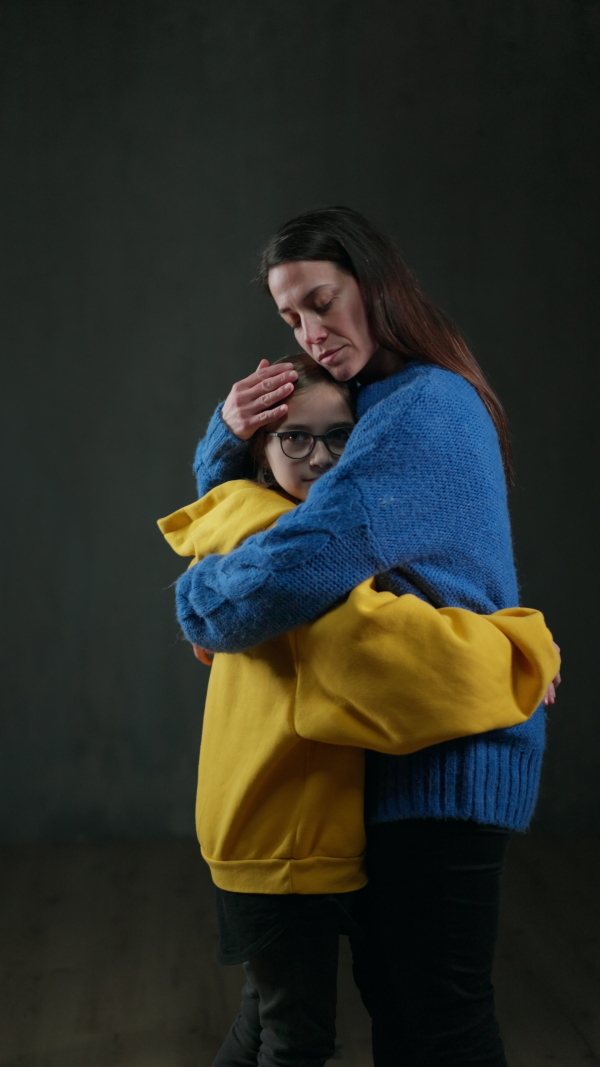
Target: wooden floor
x=108, y=958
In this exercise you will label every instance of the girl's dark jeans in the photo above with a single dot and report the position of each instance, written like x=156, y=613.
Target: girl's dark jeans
x=287, y=1016
x=424, y=965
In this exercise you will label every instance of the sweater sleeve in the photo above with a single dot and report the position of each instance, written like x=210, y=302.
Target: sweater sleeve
x=398, y=498
x=285, y=576
x=220, y=456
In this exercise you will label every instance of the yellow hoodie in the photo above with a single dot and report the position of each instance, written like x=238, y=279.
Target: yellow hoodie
x=280, y=788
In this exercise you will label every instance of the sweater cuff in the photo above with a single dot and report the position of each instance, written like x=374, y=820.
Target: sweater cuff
x=220, y=455
x=218, y=437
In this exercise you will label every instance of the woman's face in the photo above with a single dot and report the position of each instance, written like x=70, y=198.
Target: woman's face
x=324, y=306
x=315, y=410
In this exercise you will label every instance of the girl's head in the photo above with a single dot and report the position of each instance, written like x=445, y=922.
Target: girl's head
x=286, y=452
x=356, y=308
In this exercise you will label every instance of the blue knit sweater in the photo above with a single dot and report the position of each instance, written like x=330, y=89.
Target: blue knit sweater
x=419, y=499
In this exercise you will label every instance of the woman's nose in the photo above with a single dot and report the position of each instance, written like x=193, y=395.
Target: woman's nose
x=320, y=457
x=313, y=329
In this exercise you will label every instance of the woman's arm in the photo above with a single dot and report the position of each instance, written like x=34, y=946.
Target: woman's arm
x=419, y=488
x=278, y=579
x=220, y=456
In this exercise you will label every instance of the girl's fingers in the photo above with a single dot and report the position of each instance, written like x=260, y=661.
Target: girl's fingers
x=550, y=695
x=203, y=655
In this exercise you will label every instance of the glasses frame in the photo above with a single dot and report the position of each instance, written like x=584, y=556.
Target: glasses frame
x=315, y=437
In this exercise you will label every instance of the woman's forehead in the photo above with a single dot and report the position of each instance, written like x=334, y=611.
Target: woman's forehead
x=292, y=283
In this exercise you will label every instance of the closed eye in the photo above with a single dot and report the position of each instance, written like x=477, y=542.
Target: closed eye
x=320, y=310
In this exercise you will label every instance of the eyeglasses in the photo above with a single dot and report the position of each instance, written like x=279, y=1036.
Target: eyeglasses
x=297, y=444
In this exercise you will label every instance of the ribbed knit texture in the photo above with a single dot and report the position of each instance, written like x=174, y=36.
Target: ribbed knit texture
x=418, y=498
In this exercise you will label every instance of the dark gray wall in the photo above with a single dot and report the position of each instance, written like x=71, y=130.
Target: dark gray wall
x=149, y=149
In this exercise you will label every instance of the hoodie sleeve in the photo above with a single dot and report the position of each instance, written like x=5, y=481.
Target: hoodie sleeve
x=395, y=675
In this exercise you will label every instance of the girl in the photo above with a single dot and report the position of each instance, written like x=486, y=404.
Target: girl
x=279, y=812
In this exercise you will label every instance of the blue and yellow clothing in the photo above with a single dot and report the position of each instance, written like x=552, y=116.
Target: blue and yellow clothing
x=418, y=499
x=281, y=777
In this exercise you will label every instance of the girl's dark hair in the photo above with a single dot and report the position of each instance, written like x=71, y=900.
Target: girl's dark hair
x=310, y=373
x=401, y=318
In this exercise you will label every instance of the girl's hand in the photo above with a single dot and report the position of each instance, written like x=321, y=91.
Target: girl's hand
x=205, y=657
x=551, y=690
x=249, y=404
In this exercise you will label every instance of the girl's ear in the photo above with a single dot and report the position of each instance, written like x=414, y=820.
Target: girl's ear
x=263, y=473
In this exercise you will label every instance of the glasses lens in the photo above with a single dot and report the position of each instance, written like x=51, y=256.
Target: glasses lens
x=337, y=440
x=296, y=444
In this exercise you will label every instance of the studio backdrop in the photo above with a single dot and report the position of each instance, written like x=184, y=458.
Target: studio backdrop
x=149, y=149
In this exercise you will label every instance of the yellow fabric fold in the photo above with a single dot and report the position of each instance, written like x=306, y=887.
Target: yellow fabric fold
x=217, y=523
x=395, y=674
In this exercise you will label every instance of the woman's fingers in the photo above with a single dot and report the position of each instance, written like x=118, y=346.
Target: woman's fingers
x=250, y=402
x=266, y=379
x=269, y=392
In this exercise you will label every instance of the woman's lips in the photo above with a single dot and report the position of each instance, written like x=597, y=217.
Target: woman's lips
x=327, y=357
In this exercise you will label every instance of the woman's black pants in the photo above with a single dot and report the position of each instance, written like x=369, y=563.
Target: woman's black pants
x=424, y=965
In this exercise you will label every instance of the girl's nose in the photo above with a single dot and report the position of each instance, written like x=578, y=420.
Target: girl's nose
x=320, y=457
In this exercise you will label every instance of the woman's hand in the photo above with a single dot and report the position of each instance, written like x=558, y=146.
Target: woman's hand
x=249, y=404
x=551, y=690
x=201, y=654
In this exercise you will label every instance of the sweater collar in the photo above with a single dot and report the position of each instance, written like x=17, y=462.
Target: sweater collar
x=371, y=394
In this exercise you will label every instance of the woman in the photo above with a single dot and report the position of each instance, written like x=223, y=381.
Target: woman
x=419, y=498
x=280, y=802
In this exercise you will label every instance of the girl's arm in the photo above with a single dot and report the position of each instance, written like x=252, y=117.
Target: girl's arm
x=395, y=675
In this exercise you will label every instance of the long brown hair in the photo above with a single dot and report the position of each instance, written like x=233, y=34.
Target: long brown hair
x=310, y=373
x=401, y=318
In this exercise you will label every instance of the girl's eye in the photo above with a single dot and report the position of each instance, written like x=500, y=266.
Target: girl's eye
x=296, y=437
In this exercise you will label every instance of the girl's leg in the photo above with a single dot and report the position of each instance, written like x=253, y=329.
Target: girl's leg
x=294, y=981
x=242, y=1044
x=424, y=968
